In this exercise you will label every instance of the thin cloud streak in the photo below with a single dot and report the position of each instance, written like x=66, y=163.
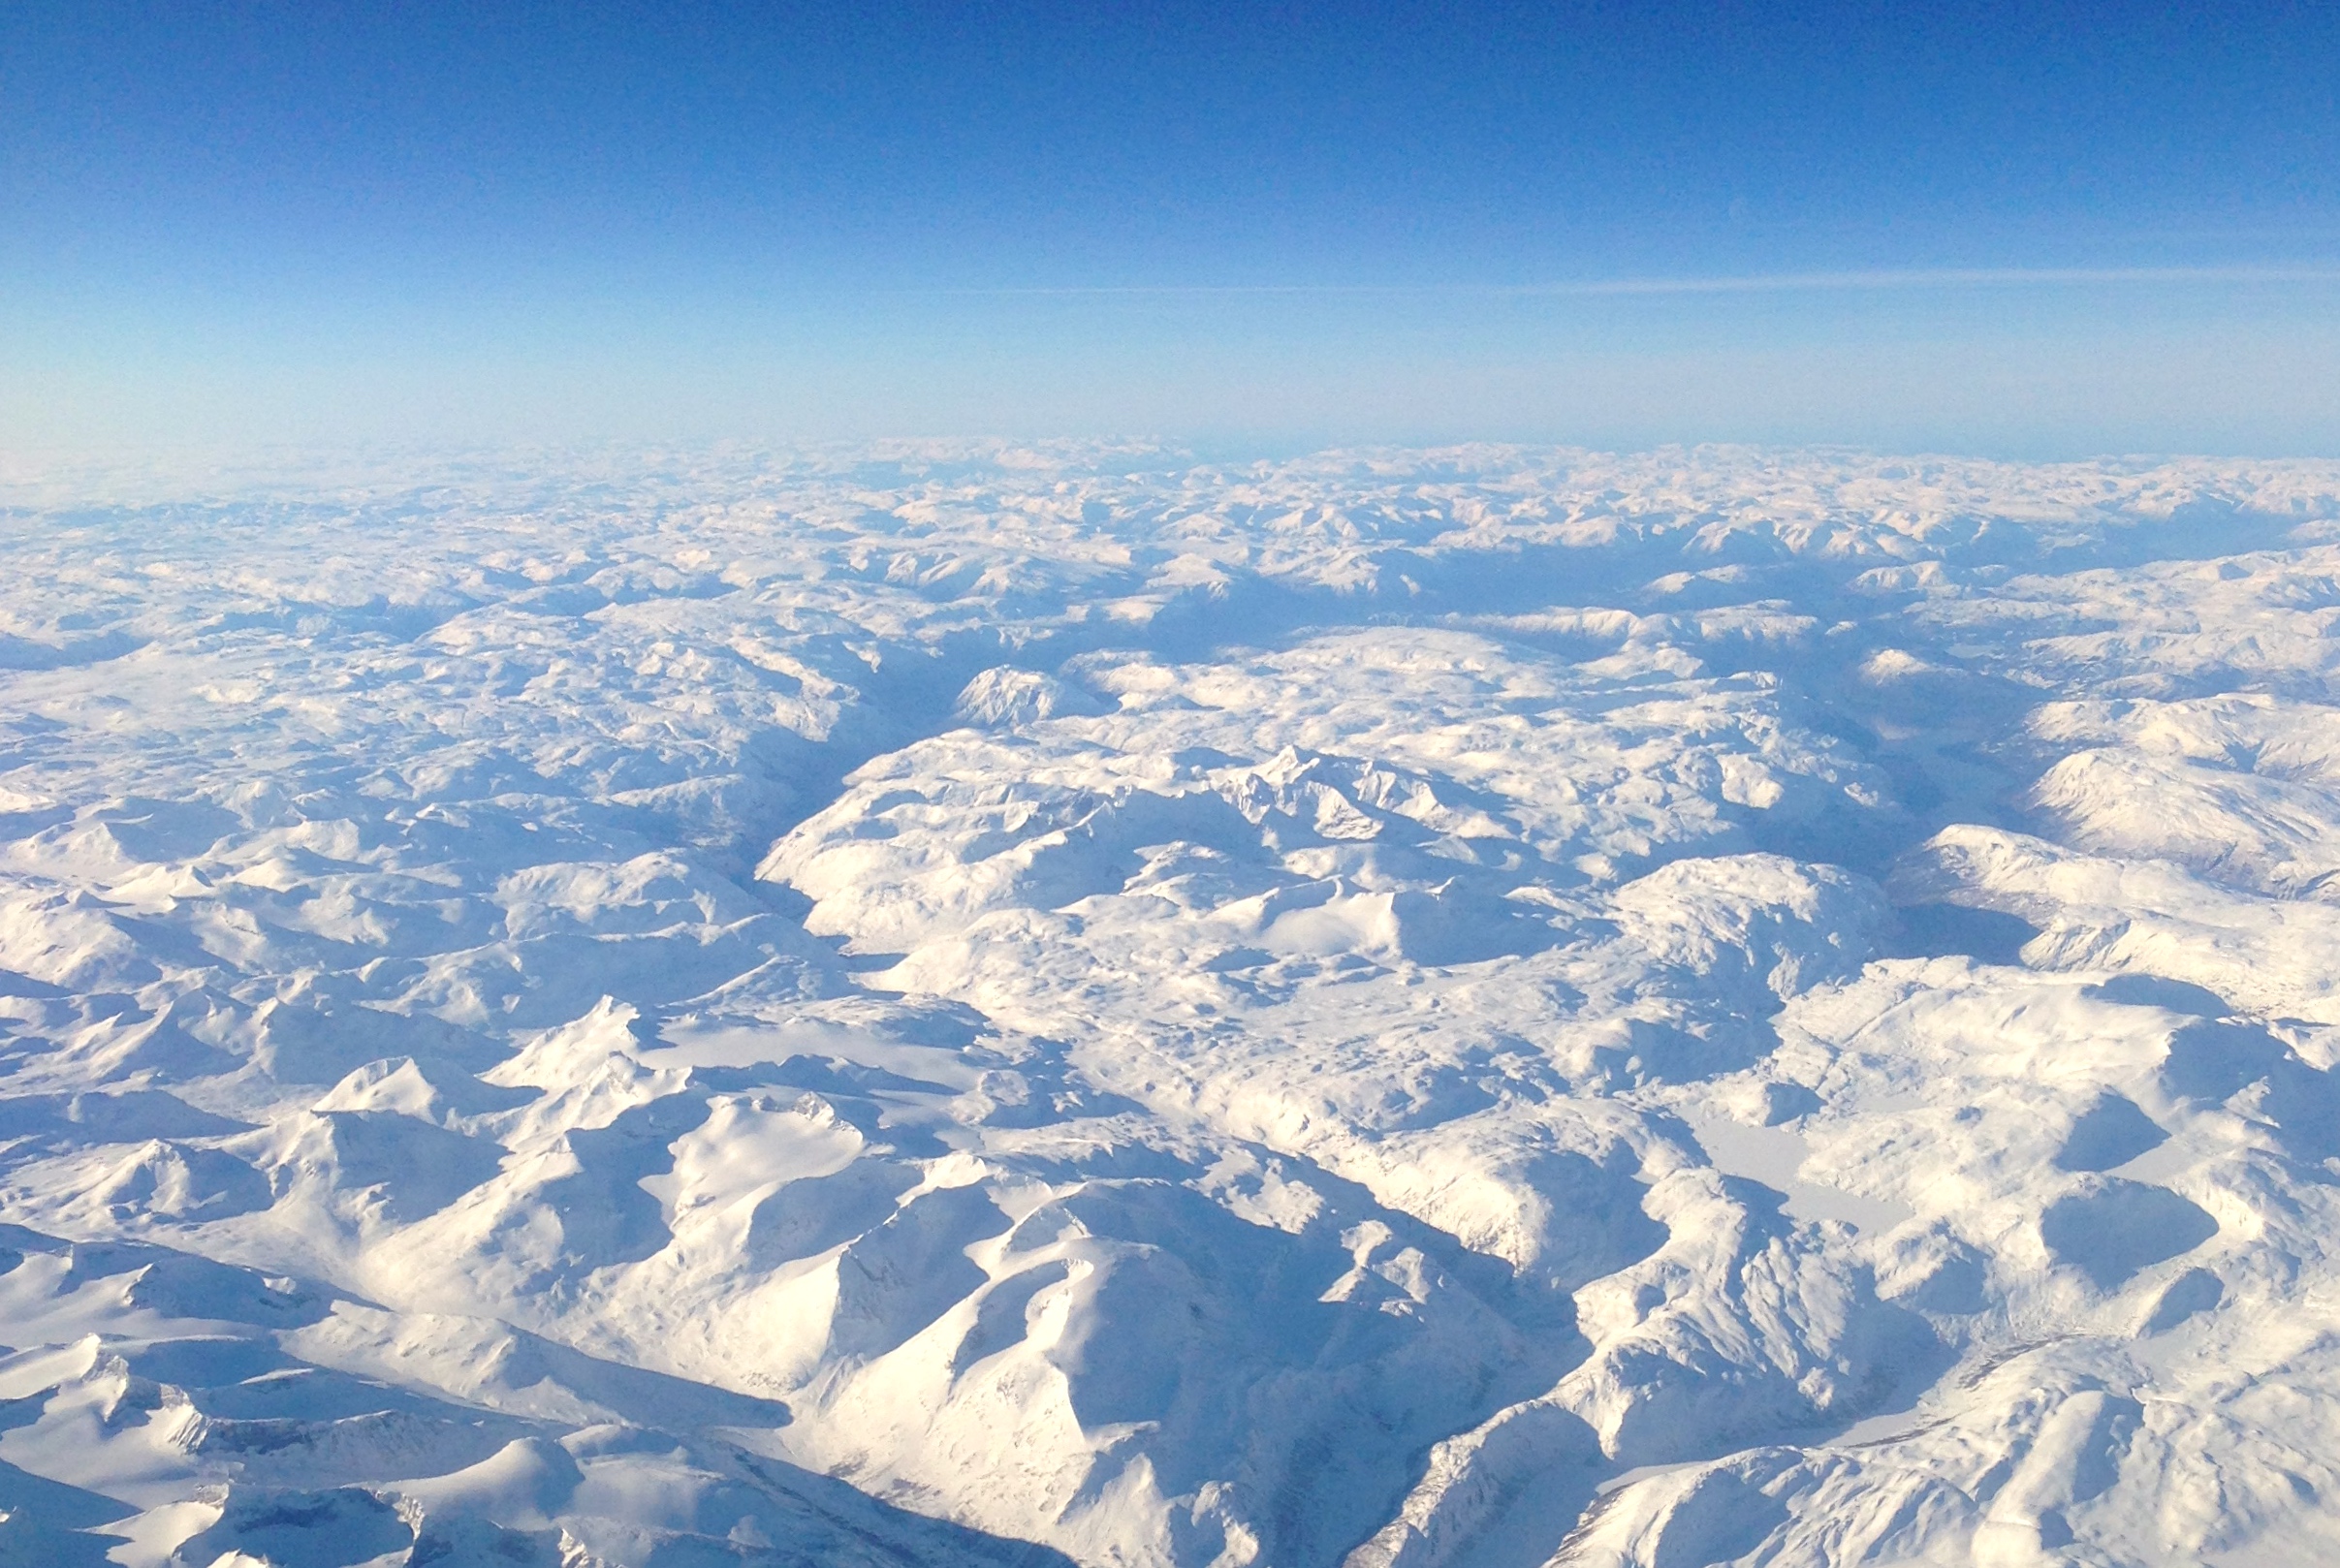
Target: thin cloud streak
x=1991, y=278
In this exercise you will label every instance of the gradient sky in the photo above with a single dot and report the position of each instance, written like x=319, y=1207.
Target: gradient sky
x=2033, y=229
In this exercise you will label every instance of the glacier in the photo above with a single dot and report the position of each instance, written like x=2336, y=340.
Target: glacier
x=1074, y=1004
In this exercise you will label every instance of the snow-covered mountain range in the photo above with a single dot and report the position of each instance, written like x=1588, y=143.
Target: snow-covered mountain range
x=980, y=1005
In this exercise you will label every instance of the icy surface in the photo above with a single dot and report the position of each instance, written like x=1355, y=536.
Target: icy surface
x=940, y=1006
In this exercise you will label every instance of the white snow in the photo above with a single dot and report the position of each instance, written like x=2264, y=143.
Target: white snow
x=938, y=1005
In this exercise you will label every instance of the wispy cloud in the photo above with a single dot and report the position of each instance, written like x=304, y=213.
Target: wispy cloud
x=1911, y=278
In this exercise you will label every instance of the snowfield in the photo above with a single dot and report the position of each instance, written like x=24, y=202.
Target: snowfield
x=979, y=1005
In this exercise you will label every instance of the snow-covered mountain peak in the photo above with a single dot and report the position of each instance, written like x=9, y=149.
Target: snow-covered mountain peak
x=940, y=1004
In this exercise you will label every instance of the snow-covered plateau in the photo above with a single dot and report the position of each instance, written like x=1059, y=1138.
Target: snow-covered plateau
x=969, y=1005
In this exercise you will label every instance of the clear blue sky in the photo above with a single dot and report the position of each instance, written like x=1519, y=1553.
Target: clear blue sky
x=2029, y=229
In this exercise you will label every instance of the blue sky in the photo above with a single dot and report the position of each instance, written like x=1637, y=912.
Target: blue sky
x=2023, y=229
